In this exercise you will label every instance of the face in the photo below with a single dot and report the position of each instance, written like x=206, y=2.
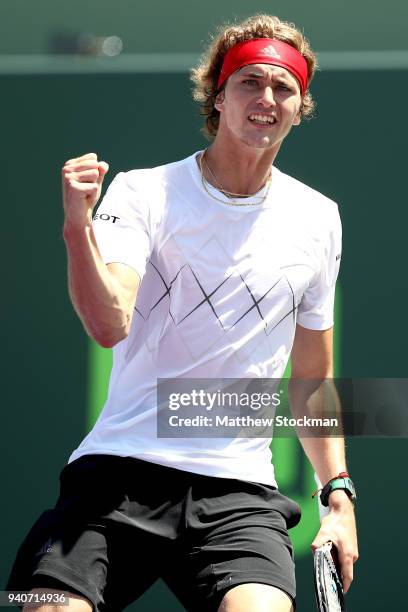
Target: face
x=259, y=105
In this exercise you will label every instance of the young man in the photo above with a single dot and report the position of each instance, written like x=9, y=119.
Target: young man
x=217, y=266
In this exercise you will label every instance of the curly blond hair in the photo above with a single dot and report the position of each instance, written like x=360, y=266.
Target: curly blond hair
x=205, y=75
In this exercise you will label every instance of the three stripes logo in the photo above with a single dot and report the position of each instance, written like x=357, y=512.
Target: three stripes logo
x=269, y=51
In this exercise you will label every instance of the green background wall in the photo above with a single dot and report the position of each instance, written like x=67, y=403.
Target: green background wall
x=353, y=152
x=182, y=25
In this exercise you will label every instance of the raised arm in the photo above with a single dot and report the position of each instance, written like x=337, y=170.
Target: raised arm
x=102, y=295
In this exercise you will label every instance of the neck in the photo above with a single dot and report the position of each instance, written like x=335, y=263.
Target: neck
x=238, y=169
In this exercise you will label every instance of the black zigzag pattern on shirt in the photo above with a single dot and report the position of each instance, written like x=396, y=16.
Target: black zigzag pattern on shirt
x=257, y=302
x=167, y=292
x=207, y=300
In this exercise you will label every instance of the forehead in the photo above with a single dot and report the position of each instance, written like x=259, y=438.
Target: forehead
x=265, y=71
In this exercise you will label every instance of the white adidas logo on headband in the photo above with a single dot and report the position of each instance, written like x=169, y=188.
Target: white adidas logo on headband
x=270, y=51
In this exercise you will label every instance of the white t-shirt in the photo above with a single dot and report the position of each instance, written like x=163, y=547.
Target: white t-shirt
x=222, y=289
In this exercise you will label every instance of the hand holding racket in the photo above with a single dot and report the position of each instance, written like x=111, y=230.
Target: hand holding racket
x=335, y=550
x=328, y=586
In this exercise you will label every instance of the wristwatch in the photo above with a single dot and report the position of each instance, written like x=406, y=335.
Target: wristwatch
x=344, y=483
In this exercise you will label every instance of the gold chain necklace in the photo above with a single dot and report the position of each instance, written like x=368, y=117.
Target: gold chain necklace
x=228, y=194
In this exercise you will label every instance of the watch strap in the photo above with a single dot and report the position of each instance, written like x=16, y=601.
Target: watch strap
x=345, y=483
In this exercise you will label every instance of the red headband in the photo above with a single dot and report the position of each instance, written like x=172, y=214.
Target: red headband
x=265, y=51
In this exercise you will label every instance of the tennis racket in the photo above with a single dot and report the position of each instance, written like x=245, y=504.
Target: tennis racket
x=328, y=586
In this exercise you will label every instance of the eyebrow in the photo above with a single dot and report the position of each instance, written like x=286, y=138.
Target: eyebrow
x=263, y=75
x=254, y=74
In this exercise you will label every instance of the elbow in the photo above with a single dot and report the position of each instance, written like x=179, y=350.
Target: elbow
x=108, y=341
x=312, y=367
x=105, y=342
x=109, y=333
x=110, y=337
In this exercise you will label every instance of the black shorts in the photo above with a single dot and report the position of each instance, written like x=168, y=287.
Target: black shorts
x=121, y=523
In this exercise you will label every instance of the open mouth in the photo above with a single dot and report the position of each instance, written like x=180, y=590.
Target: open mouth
x=262, y=119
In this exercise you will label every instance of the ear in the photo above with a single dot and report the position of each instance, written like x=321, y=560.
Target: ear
x=298, y=116
x=297, y=119
x=219, y=100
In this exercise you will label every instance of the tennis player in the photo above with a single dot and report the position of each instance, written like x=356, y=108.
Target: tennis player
x=219, y=265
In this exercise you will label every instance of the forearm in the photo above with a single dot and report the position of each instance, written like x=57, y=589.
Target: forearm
x=326, y=453
x=95, y=293
x=327, y=456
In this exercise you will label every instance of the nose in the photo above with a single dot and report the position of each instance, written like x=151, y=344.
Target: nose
x=267, y=98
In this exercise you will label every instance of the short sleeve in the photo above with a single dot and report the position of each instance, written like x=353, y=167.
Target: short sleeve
x=316, y=309
x=122, y=225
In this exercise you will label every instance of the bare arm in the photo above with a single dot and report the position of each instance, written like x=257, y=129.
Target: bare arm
x=102, y=295
x=312, y=358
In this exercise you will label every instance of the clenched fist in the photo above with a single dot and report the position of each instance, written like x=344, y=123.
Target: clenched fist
x=82, y=179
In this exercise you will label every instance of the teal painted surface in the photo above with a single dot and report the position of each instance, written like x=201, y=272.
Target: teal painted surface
x=183, y=25
x=351, y=153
